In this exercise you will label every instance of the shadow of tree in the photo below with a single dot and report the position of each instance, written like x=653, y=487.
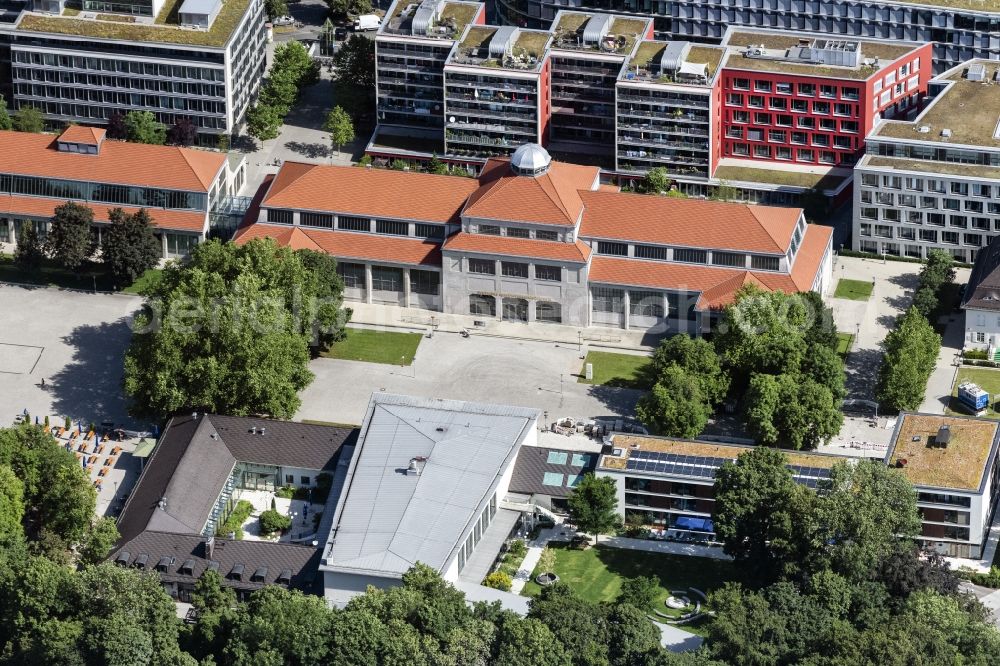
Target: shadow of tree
x=861, y=370
x=619, y=401
x=310, y=150
x=89, y=388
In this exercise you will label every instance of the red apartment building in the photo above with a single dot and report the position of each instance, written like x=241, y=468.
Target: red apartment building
x=812, y=102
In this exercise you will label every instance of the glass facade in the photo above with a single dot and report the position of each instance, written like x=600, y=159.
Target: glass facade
x=103, y=193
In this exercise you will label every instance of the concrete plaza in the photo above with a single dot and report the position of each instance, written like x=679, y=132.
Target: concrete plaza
x=73, y=340
x=527, y=373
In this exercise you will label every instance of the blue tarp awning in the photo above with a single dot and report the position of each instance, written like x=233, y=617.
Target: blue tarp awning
x=695, y=524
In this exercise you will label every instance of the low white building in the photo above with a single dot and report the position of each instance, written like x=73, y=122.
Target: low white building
x=424, y=485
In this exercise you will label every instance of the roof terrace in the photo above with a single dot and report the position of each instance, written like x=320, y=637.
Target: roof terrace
x=602, y=33
x=166, y=28
x=842, y=58
x=437, y=19
x=952, y=458
x=673, y=63
x=966, y=113
x=504, y=47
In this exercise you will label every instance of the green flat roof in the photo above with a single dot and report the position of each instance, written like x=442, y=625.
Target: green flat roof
x=886, y=53
x=970, y=109
x=821, y=181
x=461, y=12
x=166, y=29
x=929, y=166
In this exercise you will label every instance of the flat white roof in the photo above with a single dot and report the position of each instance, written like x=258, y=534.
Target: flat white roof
x=388, y=520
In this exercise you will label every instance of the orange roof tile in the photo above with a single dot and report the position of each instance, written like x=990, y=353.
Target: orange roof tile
x=121, y=163
x=815, y=245
x=174, y=220
x=718, y=286
x=91, y=136
x=347, y=245
x=577, y=252
x=689, y=222
x=551, y=198
x=369, y=192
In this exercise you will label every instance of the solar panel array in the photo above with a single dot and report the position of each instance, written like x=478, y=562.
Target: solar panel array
x=674, y=463
x=706, y=466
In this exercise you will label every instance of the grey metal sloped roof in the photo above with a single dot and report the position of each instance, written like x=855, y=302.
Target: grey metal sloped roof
x=388, y=520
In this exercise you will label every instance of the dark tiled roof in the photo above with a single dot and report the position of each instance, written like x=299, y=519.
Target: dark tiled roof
x=195, y=456
x=983, y=291
x=533, y=463
x=178, y=549
x=284, y=443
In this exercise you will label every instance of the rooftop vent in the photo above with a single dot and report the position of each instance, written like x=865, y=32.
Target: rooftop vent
x=924, y=129
x=616, y=452
x=943, y=436
x=262, y=431
x=976, y=72
x=416, y=466
x=253, y=430
x=440, y=429
x=946, y=133
x=162, y=504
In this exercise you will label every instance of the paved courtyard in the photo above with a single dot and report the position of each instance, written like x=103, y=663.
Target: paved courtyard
x=75, y=342
x=479, y=368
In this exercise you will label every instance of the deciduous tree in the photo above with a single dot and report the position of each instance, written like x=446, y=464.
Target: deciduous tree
x=69, y=240
x=129, y=247
x=264, y=122
x=697, y=357
x=910, y=354
x=340, y=128
x=5, y=122
x=182, y=133
x=101, y=538
x=592, y=505
x=30, y=251
x=11, y=506
x=676, y=406
x=143, y=127
x=29, y=119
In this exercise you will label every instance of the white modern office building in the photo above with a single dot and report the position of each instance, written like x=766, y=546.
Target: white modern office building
x=934, y=182
x=203, y=63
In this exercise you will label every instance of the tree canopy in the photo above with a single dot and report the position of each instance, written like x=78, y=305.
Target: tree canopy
x=354, y=88
x=592, y=504
x=910, y=352
x=128, y=246
x=69, y=241
x=338, y=124
x=230, y=331
x=5, y=121
x=143, y=127
x=29, y=119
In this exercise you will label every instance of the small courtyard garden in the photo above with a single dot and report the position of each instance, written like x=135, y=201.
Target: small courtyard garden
x=597, y=574
x=363, y=344
x=618, y=370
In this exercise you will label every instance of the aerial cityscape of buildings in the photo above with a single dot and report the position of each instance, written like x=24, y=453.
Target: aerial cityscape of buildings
x=412, y=310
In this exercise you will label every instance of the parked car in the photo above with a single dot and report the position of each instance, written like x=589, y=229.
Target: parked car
x=340, y=34
x=284, y=20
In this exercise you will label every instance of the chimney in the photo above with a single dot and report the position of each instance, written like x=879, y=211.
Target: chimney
x=416, y=466
x=210, y=547
x=253, y=430
x=262, y=430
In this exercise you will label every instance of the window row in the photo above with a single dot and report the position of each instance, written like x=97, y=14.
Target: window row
x=786, y=120
x=516, y=232
x=962, y=188
x=923, y=235
x=102, y=192
x=123, y=66
x=842, y=109
x=785, y=153
x=515, y=269
x=826, y=91
x=360, y=224
x=690, y=256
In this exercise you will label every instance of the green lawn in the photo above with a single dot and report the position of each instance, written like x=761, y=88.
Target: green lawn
x=855, y=290
x=147, y=279
x=844, y=341
x=596, y=573
x=987, y=379
x=620, y=370
x=362, y=344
